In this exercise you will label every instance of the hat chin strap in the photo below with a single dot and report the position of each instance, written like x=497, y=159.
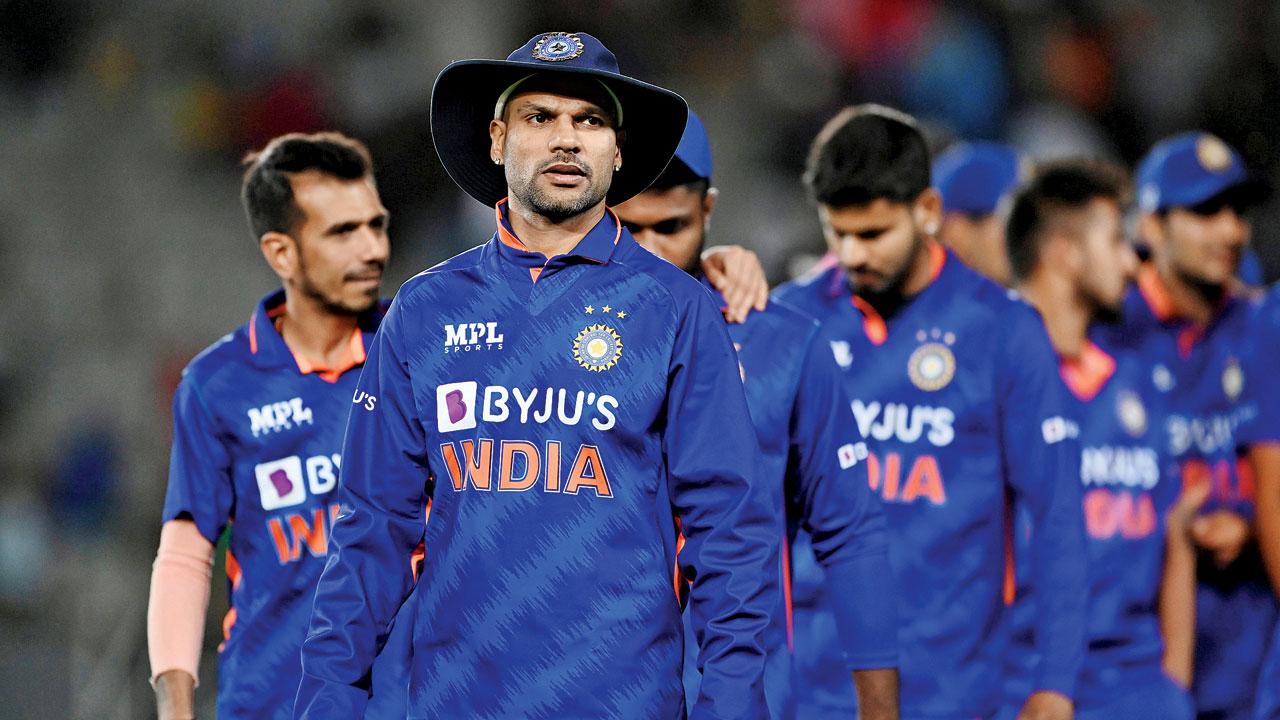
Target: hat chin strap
x=506, y=95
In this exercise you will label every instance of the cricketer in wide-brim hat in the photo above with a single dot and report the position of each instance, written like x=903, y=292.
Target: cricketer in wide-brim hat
x=469, y=94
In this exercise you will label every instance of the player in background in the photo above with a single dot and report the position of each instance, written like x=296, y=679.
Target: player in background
x=258, y=422
x=570, y=406
x=808, y=437
x=1262, y=435
x=975, y=179
x=1072, y=262
x=1194, y=333
x=955, y=387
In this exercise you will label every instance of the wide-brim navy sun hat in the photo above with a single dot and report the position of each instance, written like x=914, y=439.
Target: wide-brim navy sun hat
x=466, y=92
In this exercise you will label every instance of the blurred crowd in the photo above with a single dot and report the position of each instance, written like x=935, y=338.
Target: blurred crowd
x=123, y=249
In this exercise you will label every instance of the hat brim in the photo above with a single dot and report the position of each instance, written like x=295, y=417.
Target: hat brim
x=462, y=103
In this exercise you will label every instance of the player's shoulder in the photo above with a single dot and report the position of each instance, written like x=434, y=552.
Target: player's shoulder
x=439, y=279
x=229, y=354
x=784, y=321
x=679, y=287
x=811, y=289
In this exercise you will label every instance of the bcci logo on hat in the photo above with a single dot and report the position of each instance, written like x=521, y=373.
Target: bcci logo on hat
x=597, y=348
x=558, y=47
x=456, y=406
x=1213, y=154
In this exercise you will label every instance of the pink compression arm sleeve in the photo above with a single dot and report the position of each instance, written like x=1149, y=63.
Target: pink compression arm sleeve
x=180, y=580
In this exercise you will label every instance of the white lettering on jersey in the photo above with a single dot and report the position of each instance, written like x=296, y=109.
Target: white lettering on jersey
x=456, y=406
x=905, y=423
x=466, y=337
x=1130, y=467
x=278, y=416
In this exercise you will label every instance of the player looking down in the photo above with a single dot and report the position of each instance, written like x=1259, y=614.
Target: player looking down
x=807, y=437
x=954, y=386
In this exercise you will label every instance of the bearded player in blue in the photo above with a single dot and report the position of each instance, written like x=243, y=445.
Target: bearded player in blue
x=258, y=421
x=1194, y=332
x=1072, y=262
x=570, y=405
x=955, y=387
x=810, y=448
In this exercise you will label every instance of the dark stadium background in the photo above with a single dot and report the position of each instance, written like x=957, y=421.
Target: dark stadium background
x=123, y=250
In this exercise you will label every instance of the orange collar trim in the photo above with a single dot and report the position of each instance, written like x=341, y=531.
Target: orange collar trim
x=1155, y=293
x=354, y=355
x=937, y=259
x=1086, y=375
x=509, y=238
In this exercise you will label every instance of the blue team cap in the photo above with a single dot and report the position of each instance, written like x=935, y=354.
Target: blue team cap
x=1188, y=169
x=694, y=149
x=974, y=176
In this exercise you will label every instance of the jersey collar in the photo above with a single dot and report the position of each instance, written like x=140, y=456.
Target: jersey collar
x=1086, y=375
x=269, y=350
x=873, y=324
x=596, y=246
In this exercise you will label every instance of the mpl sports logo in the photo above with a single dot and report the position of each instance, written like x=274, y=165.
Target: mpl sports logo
x=472, y=337
x=277, y=416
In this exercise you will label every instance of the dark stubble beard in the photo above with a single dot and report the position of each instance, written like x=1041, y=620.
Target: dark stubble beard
x=526, y=190
x=888, y=298
x=330, y=305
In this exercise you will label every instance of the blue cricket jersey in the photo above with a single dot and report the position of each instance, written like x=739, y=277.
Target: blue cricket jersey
x=568, y=418
x=1264, y=428
x=1209, y=396
x=958, y=398
x=256, y=446
x=811, y=455
x=1129, y=485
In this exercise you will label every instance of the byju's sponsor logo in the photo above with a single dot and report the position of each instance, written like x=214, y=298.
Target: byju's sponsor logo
x=470, y=337
x=277, y=416
x=283, y=483
x=456, y=406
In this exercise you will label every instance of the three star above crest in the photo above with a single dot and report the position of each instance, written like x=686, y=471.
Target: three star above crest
x=607, y=309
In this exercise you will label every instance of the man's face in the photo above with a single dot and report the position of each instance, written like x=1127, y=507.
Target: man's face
x=1109, y=262
x=341, y=242
x=979, y=243
x=670, y=223
x=878, y=243
x=559, y=147
x=1202, y=244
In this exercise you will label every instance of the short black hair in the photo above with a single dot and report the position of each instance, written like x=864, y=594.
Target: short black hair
x=678, y=174
x=866, y=153
x=267, y=193
x=1057, y=187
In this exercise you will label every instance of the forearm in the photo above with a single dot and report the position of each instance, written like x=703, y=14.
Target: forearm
x=1266, y=466
x=175, y=695
x=1177, y=609
x=877, y=693
x=179, y=600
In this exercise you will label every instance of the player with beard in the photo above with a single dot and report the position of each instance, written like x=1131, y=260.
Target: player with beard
x=1072, y=262
x=258, y=423
x=1195, y=335
x=954, y=386
x=806, y=433
x=570, y=407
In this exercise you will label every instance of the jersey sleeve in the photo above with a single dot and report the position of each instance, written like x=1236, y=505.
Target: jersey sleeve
x=1042, y=464
x=200, y=468
x=827, y=490
x=383, y=494
x=732, y=527
x=1260, y=389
